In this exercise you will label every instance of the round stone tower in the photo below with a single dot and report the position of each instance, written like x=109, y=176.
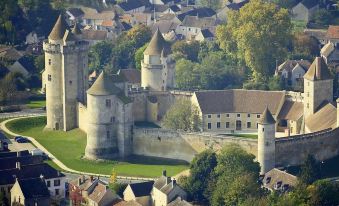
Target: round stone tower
x=157, y=67
x=266, y=142
x=66, y=60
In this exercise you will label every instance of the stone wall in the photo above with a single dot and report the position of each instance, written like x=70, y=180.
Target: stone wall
x=294, y=150
x=82, y=117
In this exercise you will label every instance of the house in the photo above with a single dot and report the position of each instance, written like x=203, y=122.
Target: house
x=291, y=117
x=31, y=191
x=139, y=192
x=101, y=195
x=94, y=18
x=330, y=54
x=179, y=202
x=229, y=112
x=32, y=38
x=137, y=18
x=9, y=54
x=332, y=34
x=205, y=35
x=133, y=77
x=79, y=189
x=113, y=26
x=279, y=181
x=292, y=72
x=94, y=36
x=54, y=179
x=165, y=190
x=230, y=6
x=305, y=10
x=74, y=15
x=10, y=162
x=166, y=28
x=24, y=66
x=192, y=25
x=133, y=6
x=202, y=12
x=164, y=2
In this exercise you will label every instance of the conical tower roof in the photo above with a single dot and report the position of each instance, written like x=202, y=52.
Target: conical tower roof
x=103, y=85
x=76, y=29
x=59, y=29
x=266, y=117
x=318, y=70
x=157, y=45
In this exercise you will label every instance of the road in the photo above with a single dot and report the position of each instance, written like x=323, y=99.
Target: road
x=23, y=113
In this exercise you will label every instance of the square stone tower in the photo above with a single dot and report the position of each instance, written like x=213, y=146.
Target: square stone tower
x=66, y=61
x=318, y=86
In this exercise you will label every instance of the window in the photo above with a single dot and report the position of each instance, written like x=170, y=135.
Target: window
x=218, y=115
x=227, y=115
x=257, y=125
x=48, y=183
x=218, y=125
x=107, y=135
x=227, y=125
x=49, y=61
x=238, y=115
x=57, y=192
x=49, y=77
x=263, y=129
x=108, y=103
x=70, y=82
x=258, y=115
x=248, y=115
x=209, y=125
x=209, y=116
x=248, y=124
x=56, y=182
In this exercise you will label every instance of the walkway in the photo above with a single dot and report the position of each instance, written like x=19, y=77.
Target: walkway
x=58, y=162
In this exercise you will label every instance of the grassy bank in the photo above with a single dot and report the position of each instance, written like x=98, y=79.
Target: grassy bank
x=69, y=148
x=33, y=104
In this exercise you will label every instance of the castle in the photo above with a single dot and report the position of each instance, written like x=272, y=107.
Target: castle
x=108, y=110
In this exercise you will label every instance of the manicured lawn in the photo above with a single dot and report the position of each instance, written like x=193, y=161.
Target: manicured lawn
x=250, y=136
x=69, y=148
x=33, y=104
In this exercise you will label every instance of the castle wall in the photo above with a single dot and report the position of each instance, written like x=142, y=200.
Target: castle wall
x=139, y=106
x=294, y=150
x=82, y=117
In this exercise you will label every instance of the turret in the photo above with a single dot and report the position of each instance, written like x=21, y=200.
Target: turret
x=157, y=67
x=266, y=142
x=318, y=87
x=66, y=60
x=110, y=123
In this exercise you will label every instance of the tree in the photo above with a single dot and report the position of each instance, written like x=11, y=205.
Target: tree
x=182, y=115
x=201, y=169
x=187, y=50
x=236, y=177
x=39, y=62
x=258, y=34
x=187, y=76
x=100, y=55
x=7, y=87
x=287, y=4
x=324, y=193
x=305, y=46
x=139, y=35
x=310, y=171
x=139, y=56
x=213, y=4
x=322, y=17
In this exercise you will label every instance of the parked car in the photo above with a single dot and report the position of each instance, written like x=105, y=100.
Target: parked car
x=22, y=140
x=17, y=137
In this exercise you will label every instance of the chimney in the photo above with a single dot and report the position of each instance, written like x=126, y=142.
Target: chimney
x=164, y=173
x=174, y=182
x=17, y=165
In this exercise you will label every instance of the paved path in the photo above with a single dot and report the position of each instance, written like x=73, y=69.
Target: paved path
x=58, y=162
x=23, y=113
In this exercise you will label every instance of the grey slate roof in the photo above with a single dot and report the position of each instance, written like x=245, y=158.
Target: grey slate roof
x=14, y=154
x=290, y=64
x=266, y=117
x=34, y=188
x=10, y=162
x=324, y=118
x=199, y=12
x=194, y=21
x=275, y=176
x=59, y=29
x=239, y=101
x=310, y=3
x=291, y=111
x=157, y=45
x=103, y=85
x=142, y=188
x=131, y=4
x=318, y=70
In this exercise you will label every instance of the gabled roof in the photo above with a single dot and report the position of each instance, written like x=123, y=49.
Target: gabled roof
x=104, y=15
x=232, y=101
x=103, y=85
x=129, y=5
x=291, y=111
x=275, y=176
x=175, y=8
x=309, y=3
x=199, y=12
x=133, y=76
x=157, y=45
x=318, y=70
x=179, y=202
x=266, y=117
x=10, y=53
x=10, y=162
x=194, y=21
x=237, y=6
x=59, y=29
x=14, y=154
x=327, y=49
x=332, y=32
x=164, y=26
x=289, y=65
x=34, y=188
x=324, y=118
x=206, y=33
x=142, y=188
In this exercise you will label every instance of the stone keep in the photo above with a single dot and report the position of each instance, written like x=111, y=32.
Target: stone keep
x=157, y=67
x=318, y=86
x=266, y=142
x=110, y=122
x=66, y=60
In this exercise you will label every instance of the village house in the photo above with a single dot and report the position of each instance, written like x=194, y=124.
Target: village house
x=74, y=15
x=95, y=36
x=279, y=181
x=31, y=191
x=192, y=26
x=330, y=53
x=133, y=6
x=133, y=78
x=305, y=10
x=292, y=72
x=137, y=18
x=24, y=66
x=205, y=35
x=94, y=18
x=332, y=34
x=318, y=34
x=139, y=192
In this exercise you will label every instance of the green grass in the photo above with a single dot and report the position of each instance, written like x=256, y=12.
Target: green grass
x=33, y=104
x=69, y=148
x=250, y=136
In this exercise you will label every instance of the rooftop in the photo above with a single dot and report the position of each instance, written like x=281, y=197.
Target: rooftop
x=318, y=70
x=142, y=189
x=59, y=29
x=157, y=45
x=34, y=188
x=332, y=32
